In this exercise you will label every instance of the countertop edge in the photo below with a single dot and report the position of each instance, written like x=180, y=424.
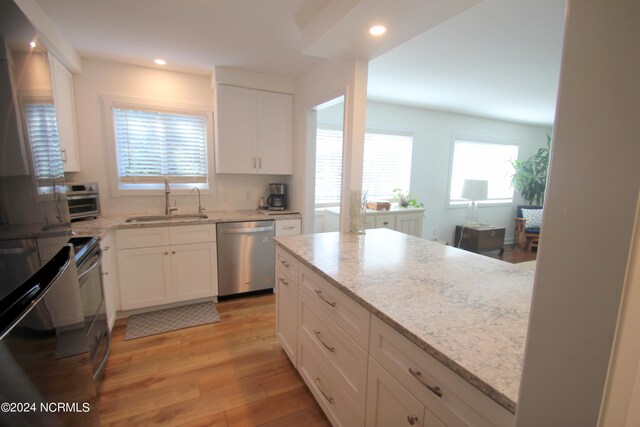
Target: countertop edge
x=468, y=376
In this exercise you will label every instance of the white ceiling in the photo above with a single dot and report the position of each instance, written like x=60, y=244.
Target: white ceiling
x=500, y=58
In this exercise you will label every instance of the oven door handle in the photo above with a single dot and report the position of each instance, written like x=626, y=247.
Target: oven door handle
x=94, y=265
x=83, y=196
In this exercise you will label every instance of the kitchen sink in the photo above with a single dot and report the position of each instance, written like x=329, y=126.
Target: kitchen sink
x=152, y=218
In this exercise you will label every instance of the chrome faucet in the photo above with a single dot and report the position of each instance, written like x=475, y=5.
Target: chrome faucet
x=200, y=208
x=167, y=209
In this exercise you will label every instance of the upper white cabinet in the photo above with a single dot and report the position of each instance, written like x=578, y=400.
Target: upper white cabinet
x=63, y=98
x=254, y=131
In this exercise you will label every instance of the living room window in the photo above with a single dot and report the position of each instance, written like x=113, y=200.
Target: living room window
x=387, y=164
x=490, y=161
x=153, y=142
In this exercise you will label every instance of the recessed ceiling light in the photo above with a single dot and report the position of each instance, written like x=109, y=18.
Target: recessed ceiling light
x=32, y=44
x=377, y=30
x=160, y=61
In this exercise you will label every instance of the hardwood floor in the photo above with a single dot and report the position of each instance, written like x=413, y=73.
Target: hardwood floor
x=513, y=254
x=231, y=373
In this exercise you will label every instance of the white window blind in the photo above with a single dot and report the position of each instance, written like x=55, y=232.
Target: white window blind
x=42, y=130
x=328, y=166
x=485, y=161
x=153, y=144
x=387, y=164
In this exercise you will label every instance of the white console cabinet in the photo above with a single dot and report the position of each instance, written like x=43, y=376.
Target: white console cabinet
x=162, y=265
x=404, y=220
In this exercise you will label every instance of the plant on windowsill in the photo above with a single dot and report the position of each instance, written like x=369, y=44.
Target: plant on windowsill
x=530, y=177
x=404, y=200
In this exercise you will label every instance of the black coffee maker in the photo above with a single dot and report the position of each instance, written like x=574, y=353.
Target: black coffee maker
x=277, y=200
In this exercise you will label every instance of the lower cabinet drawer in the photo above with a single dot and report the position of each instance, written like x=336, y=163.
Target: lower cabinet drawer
x=352, y=317
x=327, y=388
x=390, y=404
x=449, y=397
x=349, y=360
x=287, y=261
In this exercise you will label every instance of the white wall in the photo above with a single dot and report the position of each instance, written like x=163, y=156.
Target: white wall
x=108, y=78
x=432, y=150
x=327, y=81
x=590, y=210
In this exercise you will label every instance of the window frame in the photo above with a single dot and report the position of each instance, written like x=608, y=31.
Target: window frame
x=369, y=130
x=479, y=140
x=118, y=188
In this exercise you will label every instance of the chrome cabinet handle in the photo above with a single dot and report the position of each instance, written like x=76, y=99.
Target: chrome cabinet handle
x=64, y=155
x=254, y=162
x=385, y=223
x=284, y=282
x=285, y=263
x=259, y=162
x=106, y=248
x=412, y=419
x=317, y=381
x=319, y=293
x=434, y=389
x=288, y=228
x=331, y=349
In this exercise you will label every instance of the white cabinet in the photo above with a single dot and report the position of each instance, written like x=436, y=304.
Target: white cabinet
x=109, y=271
x=390, y=404
x=360, y=369
x=288, y=227
x=287, y=304
x=163, y=265
x=64, y=101
x=254, y=131
x=404, y=220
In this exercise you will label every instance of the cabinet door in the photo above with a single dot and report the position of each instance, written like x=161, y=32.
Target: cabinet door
x=409, y=224
x=274, y=133
x=144, y=276
x=236, y=129
x=287, y=314
x=109, y=272
x=389, y=403
x=194, y=271
x=63, y=98
x=385, y=221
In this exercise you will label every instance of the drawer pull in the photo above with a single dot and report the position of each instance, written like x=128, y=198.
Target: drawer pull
x=385, y=223
x=412, y=419
x=317, y=381
x=319, y=293
x=434, y=389
x=285, y=263
x=331, y=349
x=289, y=228
x=284, y=282
x=106, y=248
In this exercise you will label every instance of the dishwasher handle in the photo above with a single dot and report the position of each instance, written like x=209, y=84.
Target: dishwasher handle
x=246, y=230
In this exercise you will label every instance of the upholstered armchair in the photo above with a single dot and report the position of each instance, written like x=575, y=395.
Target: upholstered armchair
x=528, y=222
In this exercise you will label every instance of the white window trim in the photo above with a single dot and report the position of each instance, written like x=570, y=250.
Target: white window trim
x=480, y=139
x=110, y=101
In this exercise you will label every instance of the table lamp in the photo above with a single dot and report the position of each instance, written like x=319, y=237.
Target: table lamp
x=474, y=190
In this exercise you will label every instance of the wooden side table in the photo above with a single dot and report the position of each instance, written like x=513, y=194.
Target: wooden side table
x=479, y=239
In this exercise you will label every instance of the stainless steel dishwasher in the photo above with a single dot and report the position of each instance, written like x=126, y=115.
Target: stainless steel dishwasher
x=245, y=257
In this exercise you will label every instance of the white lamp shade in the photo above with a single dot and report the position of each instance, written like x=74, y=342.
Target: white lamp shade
x=475, y=189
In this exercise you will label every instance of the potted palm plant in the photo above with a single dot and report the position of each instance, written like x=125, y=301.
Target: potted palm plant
x=530, y=176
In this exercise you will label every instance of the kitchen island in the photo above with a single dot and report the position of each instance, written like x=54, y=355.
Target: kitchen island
x=468, y=312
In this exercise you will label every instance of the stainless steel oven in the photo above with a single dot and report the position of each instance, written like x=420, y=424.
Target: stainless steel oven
x=98, y=338
x=83, y=199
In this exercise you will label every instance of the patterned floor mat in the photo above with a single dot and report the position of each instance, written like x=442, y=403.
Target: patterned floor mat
x=171, y=319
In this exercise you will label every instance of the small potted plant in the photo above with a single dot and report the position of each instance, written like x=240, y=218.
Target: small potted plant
x=405, y=200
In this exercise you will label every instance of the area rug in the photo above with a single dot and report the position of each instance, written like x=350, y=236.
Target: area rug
x=170, y=319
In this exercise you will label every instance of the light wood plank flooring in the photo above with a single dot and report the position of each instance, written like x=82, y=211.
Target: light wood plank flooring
x=231, y=373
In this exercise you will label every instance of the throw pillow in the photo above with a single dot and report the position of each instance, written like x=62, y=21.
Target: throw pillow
x=533, y=217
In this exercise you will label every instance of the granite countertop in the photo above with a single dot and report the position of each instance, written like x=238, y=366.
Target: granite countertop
x=468, y=311
x=102, y=225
